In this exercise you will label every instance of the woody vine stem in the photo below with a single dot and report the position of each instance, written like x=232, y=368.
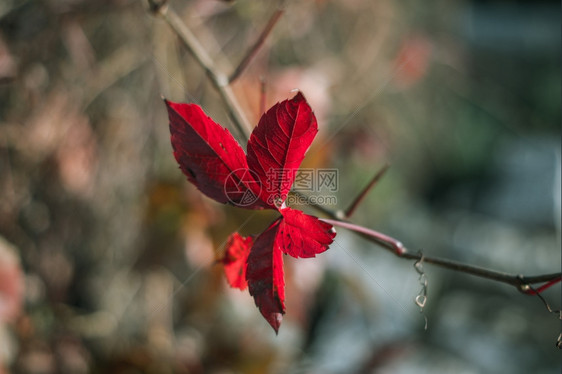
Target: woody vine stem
x=221, y=82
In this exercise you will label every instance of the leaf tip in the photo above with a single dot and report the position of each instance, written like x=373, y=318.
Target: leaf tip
x=298, y=96
x=274, y=319
x=168, y=104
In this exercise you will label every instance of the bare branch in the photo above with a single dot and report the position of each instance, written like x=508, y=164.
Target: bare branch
x=520, y=282
x=384, y=240
x=219, y=80
x=349, y=211
x=257, y=45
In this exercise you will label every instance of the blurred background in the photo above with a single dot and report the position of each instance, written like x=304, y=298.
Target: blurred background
x=106, y=251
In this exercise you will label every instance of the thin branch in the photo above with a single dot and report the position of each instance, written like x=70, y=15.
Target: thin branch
x=386, y=241
x=522, y=283
x=219, y=80
x=396, y=247
x=257, y=45
x=353, y=206
x=338, y=218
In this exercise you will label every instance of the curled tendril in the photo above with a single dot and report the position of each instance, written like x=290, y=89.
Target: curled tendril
x=421, y=298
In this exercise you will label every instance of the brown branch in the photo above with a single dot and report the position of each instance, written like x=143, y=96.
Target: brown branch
x=339, y=218
x=355, y=204
x=521, y=282
x=220, y=81
x=257, y=45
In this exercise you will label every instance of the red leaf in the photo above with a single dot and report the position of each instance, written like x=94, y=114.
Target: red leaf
x=302, y=235
x=296, y=234
x=278, y=144
x=265, y=275
x=235, y=257
x=213, y=161
x=211, y=158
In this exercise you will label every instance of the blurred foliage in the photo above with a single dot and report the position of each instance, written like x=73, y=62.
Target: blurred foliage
x=111, y=251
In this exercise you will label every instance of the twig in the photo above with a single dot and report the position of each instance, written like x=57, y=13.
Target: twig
x=395, y=246
x=384, y=240
x=522, y=283
x=353, y=206
x=219, y=80
x=257, y=45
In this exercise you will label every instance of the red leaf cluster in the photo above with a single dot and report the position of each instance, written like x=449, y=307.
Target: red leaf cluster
x=215, y=163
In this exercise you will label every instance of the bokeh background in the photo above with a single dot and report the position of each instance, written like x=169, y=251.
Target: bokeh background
x=107, y=252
